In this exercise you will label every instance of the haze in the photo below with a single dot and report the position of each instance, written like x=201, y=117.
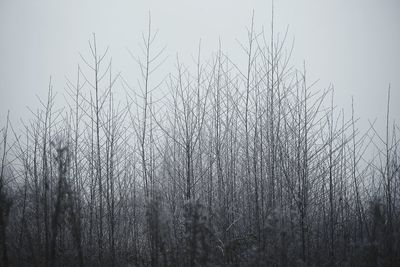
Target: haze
x=352, y=44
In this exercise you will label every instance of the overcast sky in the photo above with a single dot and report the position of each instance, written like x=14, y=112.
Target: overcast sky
x=352, y=44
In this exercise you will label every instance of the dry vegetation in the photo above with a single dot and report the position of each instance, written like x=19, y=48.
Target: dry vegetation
x=231, y=166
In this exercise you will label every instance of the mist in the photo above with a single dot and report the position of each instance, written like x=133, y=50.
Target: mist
x=199, y=133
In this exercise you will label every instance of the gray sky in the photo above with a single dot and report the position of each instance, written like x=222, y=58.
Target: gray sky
x=352, y=44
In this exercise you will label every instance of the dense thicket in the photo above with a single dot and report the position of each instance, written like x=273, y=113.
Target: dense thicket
x=226, y=165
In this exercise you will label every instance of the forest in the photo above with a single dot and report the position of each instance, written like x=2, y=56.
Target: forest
x=217, y=164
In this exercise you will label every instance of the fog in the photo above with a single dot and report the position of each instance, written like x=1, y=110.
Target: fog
x=216, y=151
x=351, y=44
